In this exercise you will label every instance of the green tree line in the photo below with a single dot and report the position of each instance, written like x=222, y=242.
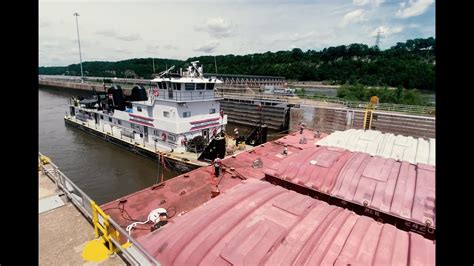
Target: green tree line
x=409, y=65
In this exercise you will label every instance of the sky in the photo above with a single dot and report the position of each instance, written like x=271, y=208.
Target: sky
x=178, y=29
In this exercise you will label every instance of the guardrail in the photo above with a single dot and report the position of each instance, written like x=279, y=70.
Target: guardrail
x=84, y=203
x=391, y=107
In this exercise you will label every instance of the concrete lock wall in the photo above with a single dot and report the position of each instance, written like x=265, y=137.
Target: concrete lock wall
x=330, y=119
x=247, y=113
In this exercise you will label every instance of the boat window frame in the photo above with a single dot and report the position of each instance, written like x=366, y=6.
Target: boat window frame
x=166, y=114
x=171, y=137
x=203, y=86
x=211, y=111
x=176, y=86
x=139, y=109
x=159, y=85
x=185, y=112
x=212, y=87
x=186, y=88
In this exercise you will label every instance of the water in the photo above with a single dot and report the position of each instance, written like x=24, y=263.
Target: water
x=102, y=170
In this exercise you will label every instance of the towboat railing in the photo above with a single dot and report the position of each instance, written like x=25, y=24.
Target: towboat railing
x=135, y=254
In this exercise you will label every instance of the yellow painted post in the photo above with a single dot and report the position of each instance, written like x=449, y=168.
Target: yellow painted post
x=95, y=219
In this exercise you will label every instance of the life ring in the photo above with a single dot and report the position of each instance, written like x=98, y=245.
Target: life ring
x=163, y=136
x=214, y=132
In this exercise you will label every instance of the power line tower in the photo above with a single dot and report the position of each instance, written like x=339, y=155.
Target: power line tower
x=378, y=37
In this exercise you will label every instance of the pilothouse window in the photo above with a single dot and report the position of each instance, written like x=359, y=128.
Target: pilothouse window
x=209, y=86
x=177, y=86
x=186, y=114
x=159, y=85
x=200, y=86
x=189, y=86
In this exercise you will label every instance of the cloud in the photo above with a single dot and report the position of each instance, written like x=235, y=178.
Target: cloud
x=107, y=33
x=49, y=45
x=216, y=27
x=45, y=24
x=385, y=31
x=129, y=38
x=121, y=50
x=113, y=34
x=353, y=17
x=209, y=47
x=374, y=3
x=171, y=47
x=298, y=37
x=413, y=8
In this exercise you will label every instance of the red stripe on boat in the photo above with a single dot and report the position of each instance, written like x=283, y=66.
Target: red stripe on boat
x=205, y=120
x=141, y=117
x=204, y=126
x=140, y=122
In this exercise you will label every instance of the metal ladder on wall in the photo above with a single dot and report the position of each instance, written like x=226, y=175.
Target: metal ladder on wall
x=369, y=113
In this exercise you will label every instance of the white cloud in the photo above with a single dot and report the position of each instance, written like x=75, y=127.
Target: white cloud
x=374, y=3
x=129, y=38
x=353, y=17
x=413, y=8
x=113, y=34
x=386, y=31
x=44, y=24
x=216, y=27
x=209, y=47
x=299, y=37
x=107, y=33
x=122, y=50
x=171, y=47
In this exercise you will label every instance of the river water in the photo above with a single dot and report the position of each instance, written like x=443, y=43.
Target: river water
x=102, y=170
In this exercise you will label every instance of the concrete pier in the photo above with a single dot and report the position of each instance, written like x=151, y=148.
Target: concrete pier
x=63, y=230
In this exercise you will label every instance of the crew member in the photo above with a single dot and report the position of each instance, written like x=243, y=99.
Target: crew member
x=317, y=134
x=301, y=128
x=217, y=166
x=237, y=136
x=285, y=151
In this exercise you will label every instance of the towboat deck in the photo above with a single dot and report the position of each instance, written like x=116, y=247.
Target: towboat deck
x=114, y=132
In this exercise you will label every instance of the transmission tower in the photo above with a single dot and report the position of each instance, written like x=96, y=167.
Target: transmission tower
x=378, y=37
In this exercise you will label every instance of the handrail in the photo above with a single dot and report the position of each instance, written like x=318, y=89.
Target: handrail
x=83, y=202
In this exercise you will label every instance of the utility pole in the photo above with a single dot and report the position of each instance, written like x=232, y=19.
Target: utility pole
x=79, y=43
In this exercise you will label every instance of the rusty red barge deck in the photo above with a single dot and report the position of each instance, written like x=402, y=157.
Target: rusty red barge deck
x=396, y=194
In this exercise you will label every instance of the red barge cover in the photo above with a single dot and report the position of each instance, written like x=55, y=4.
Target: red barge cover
x=257, y=223
x=389, y=191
